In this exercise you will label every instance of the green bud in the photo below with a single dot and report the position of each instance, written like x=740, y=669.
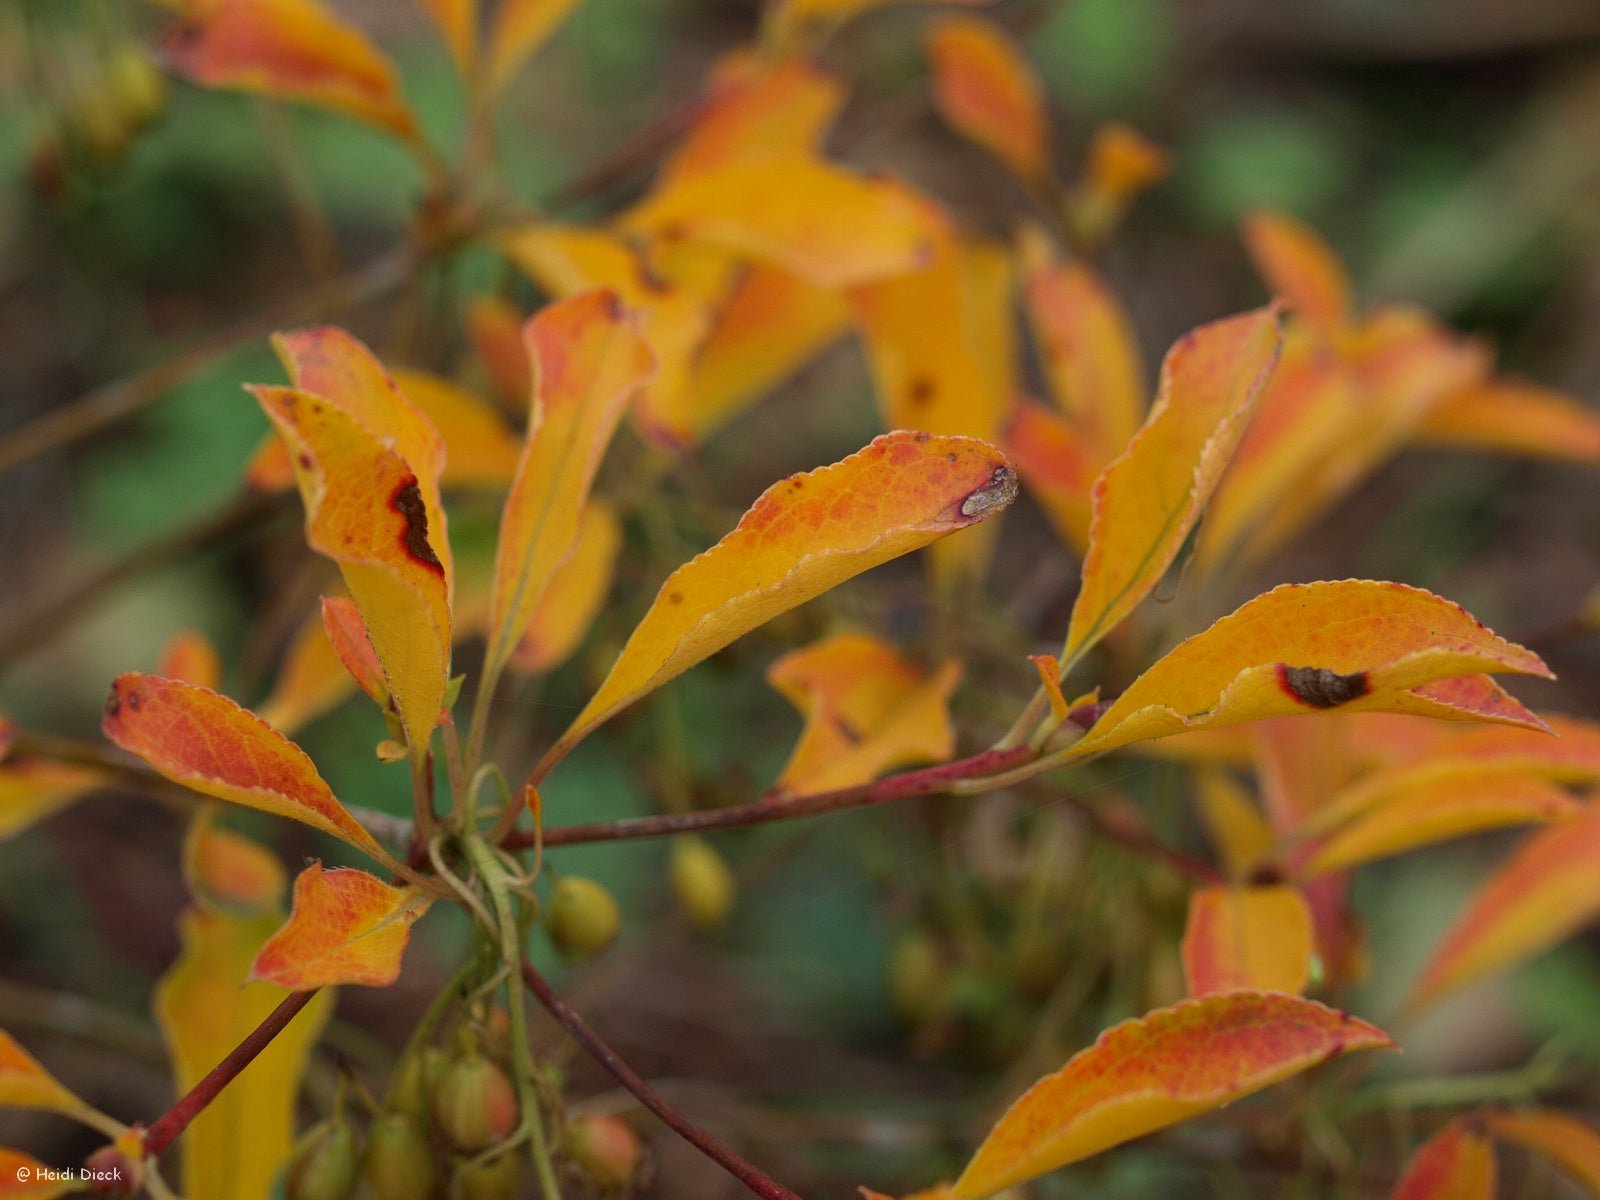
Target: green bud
x=702, y=883
x=324, y=1164
x=399, y=1159
x=414, y=1080
x=583, y=919
x=496, y=1180
x=917, y=977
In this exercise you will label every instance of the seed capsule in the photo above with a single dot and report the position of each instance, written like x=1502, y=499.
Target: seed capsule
x=488, y=1181
x=474, y=1105
x=325, y=1163
x=702, y=883
x=399, y=1160
x=605, y=1148
x=583, y=918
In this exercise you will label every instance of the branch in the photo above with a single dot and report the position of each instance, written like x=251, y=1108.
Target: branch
x=923, y=782
x=166, y=1128
x=724, y=1156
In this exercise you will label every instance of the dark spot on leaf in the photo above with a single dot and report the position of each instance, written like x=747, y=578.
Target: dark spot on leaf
x=113, y=703
x=306, y=461
x=921, y=392
x=133, y=700
x=675, y=598
x=1321, y=688
x=407, y=501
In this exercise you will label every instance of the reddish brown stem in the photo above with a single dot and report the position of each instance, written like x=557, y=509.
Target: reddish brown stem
x=166, y=1128
x=747, y=1173
x=894, y=787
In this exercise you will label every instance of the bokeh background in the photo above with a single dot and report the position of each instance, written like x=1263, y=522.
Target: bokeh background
x=1449, y=150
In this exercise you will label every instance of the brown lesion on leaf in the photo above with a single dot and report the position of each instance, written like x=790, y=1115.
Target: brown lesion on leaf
x=921, y=391
x=1000, y=491
x=407, y=501
x=1320, y=687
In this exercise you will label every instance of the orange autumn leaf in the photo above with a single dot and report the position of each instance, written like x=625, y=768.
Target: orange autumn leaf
x=1247, y=937
x=802, y=536
x=1153, y=1071
x=368, y=510
x=1119, y=164
x=1449, y=808
x=1148, y=499
x=934, y=1193
x=23, y=1177
x=209, y=744
x=574, y=598
x=1565, y=1141
x=589, y=360
x=191, y=657
x=32, y=789
x=771, y=324
x=867, y=711
x=347, y=927
x=24, y=1083
x=1056, y=468
x=1353, y=645
x=347, y=634
x=567, y=260
x=236, y=1147
x=1458, y=1163
x=458, y=22
x=828, y=225
x=1515, y=418
x=1300, y=267
x=1547, y=890
x=312, y=679
x=494, y=327
x=291, y=50
x=520, y=28
x=757, y=108
x=985, y=89
x=226, y=872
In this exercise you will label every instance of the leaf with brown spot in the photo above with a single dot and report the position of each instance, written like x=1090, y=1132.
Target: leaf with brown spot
x=1147, y=500
x=867, y=711
x=1458, y=1163
x=1400, y=640
x=589, y=360
x=291, y=50
x=1145, y=1074
x=210, y=745
x=346, y=927
x=366, y=508
x=803, y=535
x=1247, y=937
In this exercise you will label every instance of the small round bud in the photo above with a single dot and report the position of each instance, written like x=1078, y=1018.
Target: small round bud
x=111, y=1172
x=583, y=917
x=140, y=88
x=606, y=1149
x=474, y=1105
x=414, y=1081
x=917, y=977
x=702, y=883
x=495, y=1180
x=399, y=1159
x=324, y=1164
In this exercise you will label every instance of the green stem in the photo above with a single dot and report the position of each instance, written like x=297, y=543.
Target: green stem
x=494, y=880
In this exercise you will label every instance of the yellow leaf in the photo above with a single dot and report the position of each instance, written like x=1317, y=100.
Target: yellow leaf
x=1247, y=937
x=293, y=50
x=1353, y=645
x=1157, y=1070
x=867, y=711
x=588, y=362
x=1148, y=499
x=1515, y=418
x=575, y=595
x=1542, y=894
x=771, y=324
x=229, y=873
x=802, y=536
x=366, y=509
x=566, y=260
x=26, y=1084
x=1450, y=808
x=1564, y=1140
x=236, y=1148
x=23, y=1177
x=1456, y=1164
x=520, y=28
x=1300, y=267
x=986, y=90
x=829, y=226
x=32, y=789
x=1121, y=162
x=1233, y=821
x=481, y=449
x=458, y=22
x=209, y=744
x=1090, y=357
x=347, y=927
